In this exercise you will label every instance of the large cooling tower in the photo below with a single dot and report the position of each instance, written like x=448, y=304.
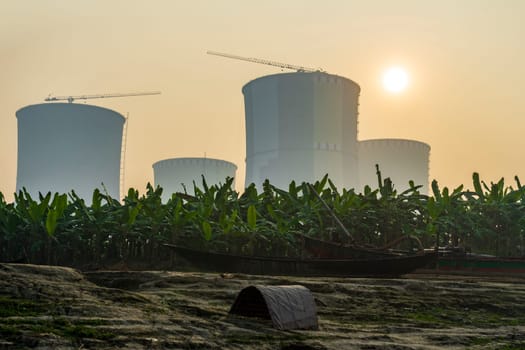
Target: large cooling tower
x=300, y=126
x=69, y=146
x=178, y=174
x=400, y=160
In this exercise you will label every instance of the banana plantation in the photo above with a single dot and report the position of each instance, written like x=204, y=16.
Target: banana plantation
x=67, y=230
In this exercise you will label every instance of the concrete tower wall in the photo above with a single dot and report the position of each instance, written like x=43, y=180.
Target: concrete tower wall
x=301, y=126
x=400, y=160
x=69, y=146
x=173, y=175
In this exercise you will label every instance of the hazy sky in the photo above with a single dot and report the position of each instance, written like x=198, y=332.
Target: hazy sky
x=466, y=61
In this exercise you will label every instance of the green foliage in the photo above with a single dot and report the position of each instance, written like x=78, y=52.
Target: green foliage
x=206, y=230
x=63, y=229
x=252, y=217
x=55, y=212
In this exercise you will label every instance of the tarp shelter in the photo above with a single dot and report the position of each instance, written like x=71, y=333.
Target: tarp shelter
x=289, y=307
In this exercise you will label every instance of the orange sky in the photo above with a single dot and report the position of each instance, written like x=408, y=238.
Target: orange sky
x=466, y=60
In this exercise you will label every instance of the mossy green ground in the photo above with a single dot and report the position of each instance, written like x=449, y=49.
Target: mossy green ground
x=44, y=307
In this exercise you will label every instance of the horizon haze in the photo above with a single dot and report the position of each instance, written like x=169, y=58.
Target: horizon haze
x=465, y=63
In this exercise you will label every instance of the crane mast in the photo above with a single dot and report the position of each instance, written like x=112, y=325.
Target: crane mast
x=267, y=62
x=70, y=99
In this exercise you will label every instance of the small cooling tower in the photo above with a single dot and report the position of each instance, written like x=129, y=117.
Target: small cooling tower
x=178, y=174
x=68, y=146
x=400, y=160
x=300, y=126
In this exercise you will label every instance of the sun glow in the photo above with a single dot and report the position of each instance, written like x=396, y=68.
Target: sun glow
x=395, y=80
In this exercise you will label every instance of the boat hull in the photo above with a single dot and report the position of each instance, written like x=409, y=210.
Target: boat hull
x=482, y=265
x=324, y=249
x=377, y=267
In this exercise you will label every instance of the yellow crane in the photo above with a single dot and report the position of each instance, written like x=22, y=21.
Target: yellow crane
x=267, y=62
x=70, y=99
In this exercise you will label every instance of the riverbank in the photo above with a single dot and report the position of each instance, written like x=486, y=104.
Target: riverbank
x=47, y=307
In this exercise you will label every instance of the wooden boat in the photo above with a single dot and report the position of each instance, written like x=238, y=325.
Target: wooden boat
x=389, y=266
x=481, y=265
x=319, y=248
x=324, y=249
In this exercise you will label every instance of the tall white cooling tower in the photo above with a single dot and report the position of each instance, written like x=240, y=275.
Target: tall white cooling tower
x=400, y=160
x=177, y=174
x=301, y=126
x=68, y=146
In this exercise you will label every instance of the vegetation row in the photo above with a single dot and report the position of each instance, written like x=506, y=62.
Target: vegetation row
x=62, y=229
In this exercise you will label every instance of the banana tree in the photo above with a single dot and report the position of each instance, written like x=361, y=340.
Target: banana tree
x=33, y=215
x=499, y=213
x=449, y=217
x=10, y=232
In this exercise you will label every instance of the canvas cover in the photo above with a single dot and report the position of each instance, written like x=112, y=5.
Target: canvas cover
x=289, y=307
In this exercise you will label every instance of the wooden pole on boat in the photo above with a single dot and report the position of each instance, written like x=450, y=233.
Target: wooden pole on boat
x=348, y=234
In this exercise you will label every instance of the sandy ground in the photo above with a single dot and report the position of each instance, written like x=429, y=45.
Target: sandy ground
x=44, y=307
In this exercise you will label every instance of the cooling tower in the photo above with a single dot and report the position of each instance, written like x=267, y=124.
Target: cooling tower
x=301, y=126
x=400, y=160
x=178, y=174
x=68, y=146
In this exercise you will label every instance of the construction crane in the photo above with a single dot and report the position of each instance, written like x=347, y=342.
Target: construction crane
x=267, y=62
x=70, y=99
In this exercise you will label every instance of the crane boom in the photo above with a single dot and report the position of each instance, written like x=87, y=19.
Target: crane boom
x=267, y=62
x=70, y=99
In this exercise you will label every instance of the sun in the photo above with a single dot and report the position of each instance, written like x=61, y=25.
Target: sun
x=395, y=79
